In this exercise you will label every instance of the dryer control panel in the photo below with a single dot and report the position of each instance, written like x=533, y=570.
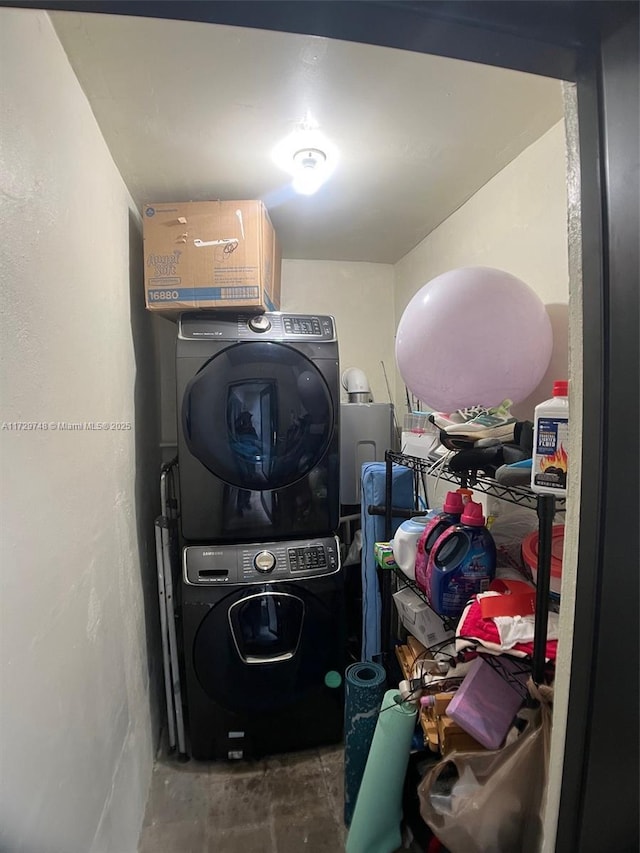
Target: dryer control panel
x=273, y=326
x=249, y=563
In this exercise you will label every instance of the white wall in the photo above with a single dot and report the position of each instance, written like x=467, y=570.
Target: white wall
x=517, y=222
x=77, y=703
x=572, y=520
x=360, y=297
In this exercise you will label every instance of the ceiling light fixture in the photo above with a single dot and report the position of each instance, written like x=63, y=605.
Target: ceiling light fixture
x=310, y=170
x=308, y=156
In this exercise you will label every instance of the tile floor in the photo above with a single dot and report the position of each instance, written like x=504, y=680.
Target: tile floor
x=282, y=804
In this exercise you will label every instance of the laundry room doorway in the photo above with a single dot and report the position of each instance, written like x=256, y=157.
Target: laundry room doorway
x=593, y=46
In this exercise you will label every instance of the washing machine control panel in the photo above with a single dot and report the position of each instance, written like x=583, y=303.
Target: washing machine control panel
x=273, y=326
x=248, y=563
x=305, y=559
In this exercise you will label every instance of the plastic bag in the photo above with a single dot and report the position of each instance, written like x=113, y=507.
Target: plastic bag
x=510, y=525
x=355, y=549
x=491, y=801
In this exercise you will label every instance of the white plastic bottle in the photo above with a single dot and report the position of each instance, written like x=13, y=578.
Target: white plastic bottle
x=550, y=463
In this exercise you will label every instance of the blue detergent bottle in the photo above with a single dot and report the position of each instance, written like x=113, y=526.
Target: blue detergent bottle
x=462, y=562
x=437, y=522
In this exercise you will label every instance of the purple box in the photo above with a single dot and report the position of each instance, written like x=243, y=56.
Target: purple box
x=485, y=705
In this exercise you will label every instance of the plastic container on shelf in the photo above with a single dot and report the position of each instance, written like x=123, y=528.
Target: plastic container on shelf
x=462, y=563
x=530, y=557
x=418, y=422
x=419, y=436
x=405, y=543
x=437, y=523
x=550, y=465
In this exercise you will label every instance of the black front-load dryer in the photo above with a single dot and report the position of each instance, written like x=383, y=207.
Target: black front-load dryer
x=264, y=646
x=258, y=403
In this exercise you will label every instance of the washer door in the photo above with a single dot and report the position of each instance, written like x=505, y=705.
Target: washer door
x=265, y=649
x=258, y=415
x=266, y=627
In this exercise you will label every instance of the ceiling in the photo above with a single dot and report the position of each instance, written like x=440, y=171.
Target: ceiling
x=191, y=111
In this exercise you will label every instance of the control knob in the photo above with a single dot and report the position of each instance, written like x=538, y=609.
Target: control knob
x=264, y=562
x=260, y=323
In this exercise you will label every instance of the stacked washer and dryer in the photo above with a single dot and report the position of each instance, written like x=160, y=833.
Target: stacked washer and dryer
x=263, y=592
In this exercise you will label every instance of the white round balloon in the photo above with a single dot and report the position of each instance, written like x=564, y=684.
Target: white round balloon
x=474, y=335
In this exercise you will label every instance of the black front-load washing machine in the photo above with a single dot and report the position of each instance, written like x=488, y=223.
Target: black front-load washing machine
x=258, y=403
x=264, y=646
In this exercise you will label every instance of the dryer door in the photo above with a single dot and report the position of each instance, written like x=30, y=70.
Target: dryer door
x=267, y=648
x=258, y=415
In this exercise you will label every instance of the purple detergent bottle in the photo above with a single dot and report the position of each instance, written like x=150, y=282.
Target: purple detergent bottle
x=437, y=524
x=462, y=563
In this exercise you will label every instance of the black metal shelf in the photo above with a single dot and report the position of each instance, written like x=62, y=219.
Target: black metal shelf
x=514, y=670
x=519, y=495
x=546, y=507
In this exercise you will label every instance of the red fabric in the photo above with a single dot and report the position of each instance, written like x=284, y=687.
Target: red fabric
x=473, y=626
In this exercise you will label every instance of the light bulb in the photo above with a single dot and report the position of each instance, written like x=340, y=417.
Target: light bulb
x=308, y=156
x=310, y=170
x=307, y=182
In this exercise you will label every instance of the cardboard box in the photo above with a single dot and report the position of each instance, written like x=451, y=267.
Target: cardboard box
x=452, y=737
x=210, y=254
x=441, y=733
x=444, y=735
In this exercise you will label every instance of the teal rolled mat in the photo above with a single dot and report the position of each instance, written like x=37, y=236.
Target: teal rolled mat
x=364, y=691
x=375, y=826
